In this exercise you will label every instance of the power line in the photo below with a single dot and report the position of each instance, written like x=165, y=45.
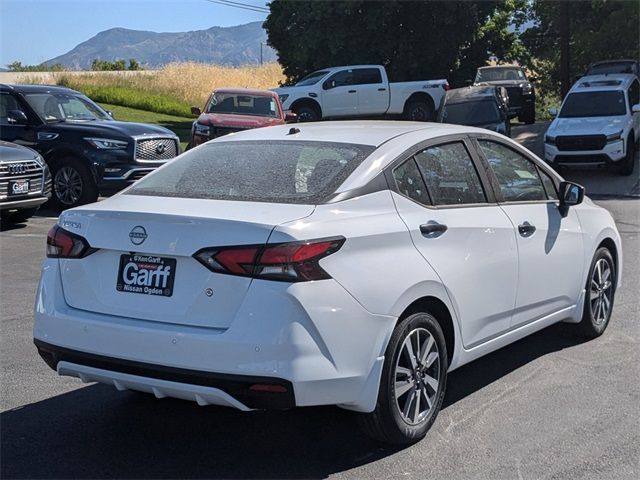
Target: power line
x=243, y=6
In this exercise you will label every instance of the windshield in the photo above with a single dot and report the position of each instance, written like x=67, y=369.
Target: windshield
x=497, y=74
x=242, y=104
x=260, y=171
x=311, y=79
x=480, y=112
x=60, y=107
x=594, y=104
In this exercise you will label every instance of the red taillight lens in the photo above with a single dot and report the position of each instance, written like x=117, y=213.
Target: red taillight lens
x=64, y=244
x=287, y=262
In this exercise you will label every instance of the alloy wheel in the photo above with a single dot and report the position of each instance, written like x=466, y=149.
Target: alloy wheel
x=416, y=376
x=601, y=291
x=68, y=185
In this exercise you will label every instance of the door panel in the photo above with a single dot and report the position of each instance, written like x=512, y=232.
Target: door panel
x=339, y=95
x=373, y=95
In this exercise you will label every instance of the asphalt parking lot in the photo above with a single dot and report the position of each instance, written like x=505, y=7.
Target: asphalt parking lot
x=549, y=406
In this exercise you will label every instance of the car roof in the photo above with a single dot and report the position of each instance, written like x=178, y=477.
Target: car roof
x=361, y=132
x=330, y=69
x=490, y=67
x=36, y=88
x=607, y=81
x=246, y=91
x=620, y=60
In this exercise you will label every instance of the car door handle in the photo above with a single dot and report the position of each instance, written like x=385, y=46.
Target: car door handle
x=382, y=89
x=352, y=91
x=432, y=229
x=526, y=229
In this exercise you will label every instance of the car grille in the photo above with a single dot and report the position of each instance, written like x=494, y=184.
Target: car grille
x=515, y=94
x=579, y=143
x=29, y=169
x=156, y=149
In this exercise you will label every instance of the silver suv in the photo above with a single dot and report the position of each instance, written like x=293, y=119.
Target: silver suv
x=25, y=182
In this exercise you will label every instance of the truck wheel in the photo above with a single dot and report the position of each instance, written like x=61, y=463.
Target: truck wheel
x=19, y=216
x=419, y=111
x=628, y=163
x=73, y=183
x=307, y=114
x=528, y=116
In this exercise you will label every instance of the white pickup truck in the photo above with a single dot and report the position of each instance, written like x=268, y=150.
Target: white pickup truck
x=361, y=91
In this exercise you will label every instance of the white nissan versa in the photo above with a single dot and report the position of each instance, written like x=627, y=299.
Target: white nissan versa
x=346, y=263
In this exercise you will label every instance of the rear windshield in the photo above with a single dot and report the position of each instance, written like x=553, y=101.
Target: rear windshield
x=241, y=104
x=594, y=104
x=471, y=113
x=259, y=171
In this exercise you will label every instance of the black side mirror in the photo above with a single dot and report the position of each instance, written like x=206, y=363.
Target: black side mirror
x=570, y=194
x=110, y=113
x=17, y=117
x=329, y=84
x=196, y=110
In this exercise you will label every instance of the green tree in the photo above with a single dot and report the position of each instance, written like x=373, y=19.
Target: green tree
x=413, y=40
x=134, y=65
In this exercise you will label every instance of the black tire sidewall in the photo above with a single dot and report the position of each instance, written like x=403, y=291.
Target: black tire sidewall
x=308, y=110
x=89, y=192
x=398, y=430
x=429, y=112
x=628, y=162
x=19, y=216
x=588, y=324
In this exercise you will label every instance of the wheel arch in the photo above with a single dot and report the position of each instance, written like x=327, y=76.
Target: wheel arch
x=422, y=97
x=610, y=245
x=57, y=154
x=307, y=102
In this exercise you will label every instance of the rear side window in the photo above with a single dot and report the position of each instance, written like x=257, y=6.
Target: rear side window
x=364, y=76
x=409, y=182
x=450, y=175
x=260, y=171
x=517, y=175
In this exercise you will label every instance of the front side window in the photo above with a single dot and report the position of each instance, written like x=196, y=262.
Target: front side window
x=259, y=171
x=450, y=175
x=517, y=175
x=7, y=104
x=60, y=107
x=342, y=78
x=594, y=104
x=239, y=104
x=549, y=185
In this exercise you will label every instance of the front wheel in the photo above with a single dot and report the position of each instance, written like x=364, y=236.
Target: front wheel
x=628, y=162
x=19, y=216
x=73, y=184
x=528, y=115
x=600, y=294
x=413, y=382
x=307, y=114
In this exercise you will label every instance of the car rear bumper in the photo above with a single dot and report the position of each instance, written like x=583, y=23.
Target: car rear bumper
x=314, y=339
x=611, y=153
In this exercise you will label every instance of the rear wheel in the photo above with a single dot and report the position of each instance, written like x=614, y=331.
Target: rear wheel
x=600, y=294
x=419, y=111
x=73, y=183
x=413, y=382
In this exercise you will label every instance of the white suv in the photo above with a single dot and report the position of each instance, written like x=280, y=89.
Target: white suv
x=598, y=124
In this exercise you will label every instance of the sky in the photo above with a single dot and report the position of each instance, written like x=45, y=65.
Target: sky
x=33, y=31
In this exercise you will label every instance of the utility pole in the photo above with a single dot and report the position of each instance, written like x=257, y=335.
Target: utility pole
x=261, y=44
x=565, y=35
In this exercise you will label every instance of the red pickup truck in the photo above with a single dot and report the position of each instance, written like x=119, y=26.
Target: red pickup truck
x=231, y=110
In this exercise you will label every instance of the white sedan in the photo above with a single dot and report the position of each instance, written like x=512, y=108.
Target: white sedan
x=347, y=263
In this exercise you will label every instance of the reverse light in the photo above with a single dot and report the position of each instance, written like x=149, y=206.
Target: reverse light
x=64, y=244
x=285, y=262
x=107, y=143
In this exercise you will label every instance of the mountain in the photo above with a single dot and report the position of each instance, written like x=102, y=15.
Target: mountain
x=238, y=45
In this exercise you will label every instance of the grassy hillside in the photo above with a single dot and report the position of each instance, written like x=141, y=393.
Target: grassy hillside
x=180, y=125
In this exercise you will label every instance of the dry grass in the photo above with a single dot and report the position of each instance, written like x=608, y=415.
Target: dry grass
x=190, y=83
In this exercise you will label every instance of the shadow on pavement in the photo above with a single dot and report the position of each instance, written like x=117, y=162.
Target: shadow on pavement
x=96, y=432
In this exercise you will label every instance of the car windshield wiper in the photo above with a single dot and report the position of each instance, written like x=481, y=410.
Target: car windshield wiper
x=57, y=120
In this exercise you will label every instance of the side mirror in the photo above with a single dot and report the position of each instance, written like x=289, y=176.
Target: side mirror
x=110, y=113
x=571, y=194
x=636, y=108
x=553, y=111
x=196, y=110
x=329, y=84
x=290, y=118
x=533, y=79
x=17, y=117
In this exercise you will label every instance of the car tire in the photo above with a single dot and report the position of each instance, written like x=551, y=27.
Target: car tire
x=19, y=216
x=406, y=385
x=307, y=114
x=528, y=116
x=73, y=183
x=627, y=164
x=599, y=295
x=419, y=111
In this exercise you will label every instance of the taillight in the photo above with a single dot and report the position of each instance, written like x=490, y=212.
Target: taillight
x=64, y=244
x=286, y=262
x=446, y=86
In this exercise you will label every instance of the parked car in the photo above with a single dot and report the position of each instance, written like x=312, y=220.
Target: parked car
x=483, y=107
x=87, y=151
x=345, y=263
x=598, y=124
x=25, y=182
x=361, y=91
x=614, y=66
x=522, y=95
x=230, y=110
